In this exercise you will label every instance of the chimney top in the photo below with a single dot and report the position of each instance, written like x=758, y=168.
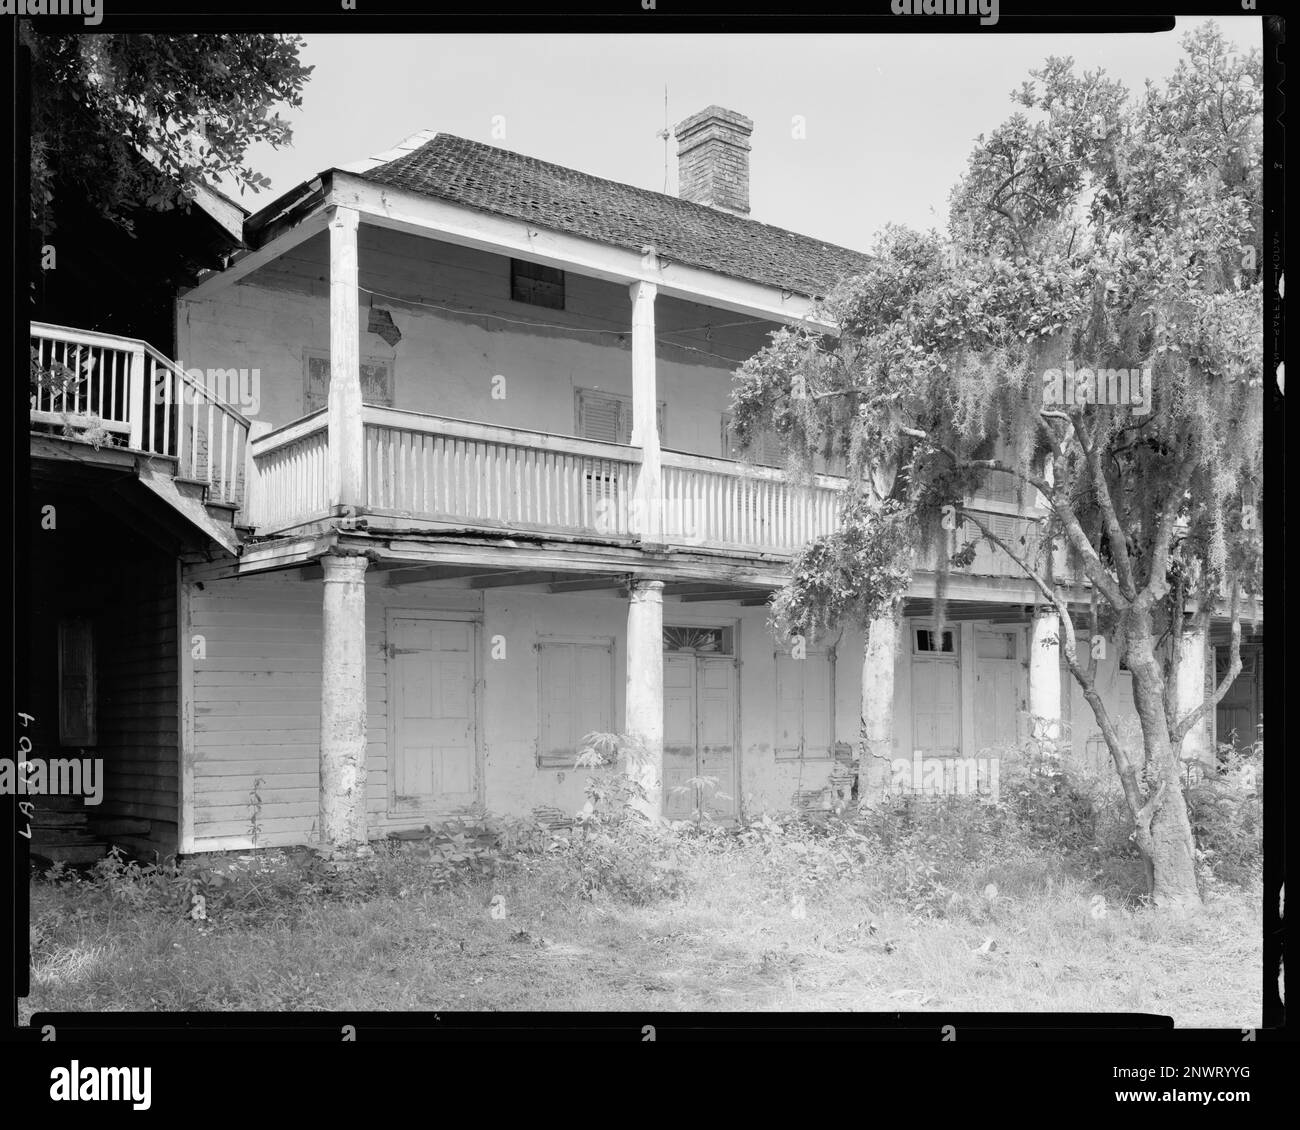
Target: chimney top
x=713, y=159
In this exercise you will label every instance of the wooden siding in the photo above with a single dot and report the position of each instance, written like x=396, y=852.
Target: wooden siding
x=138, y=676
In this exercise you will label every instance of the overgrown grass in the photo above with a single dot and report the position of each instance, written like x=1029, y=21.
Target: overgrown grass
x=1030, y=904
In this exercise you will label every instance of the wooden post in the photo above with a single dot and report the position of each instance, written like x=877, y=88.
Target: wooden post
x=253, y=504
x=346, y=429
x=1045, y=681
x=879, y=654
x=343, y=705
x=647, y=501
x=139, y=401
x=644, y=702
x=1189, y=674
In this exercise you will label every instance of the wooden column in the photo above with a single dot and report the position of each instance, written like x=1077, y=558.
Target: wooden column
x=253, y=505
x=1189, y=673
x=343, y=705
x=643, y=704
x=879, y=654
x=346, y=431
x=1045, y=681
x=647, y=500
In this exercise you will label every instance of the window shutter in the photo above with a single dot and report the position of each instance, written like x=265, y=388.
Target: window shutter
x=804, y=705
x=607, y=416
x=766, y=451
x=576, y=698
x=817, y=736
x=376, y=382
x=77, y=683
x=601, y=417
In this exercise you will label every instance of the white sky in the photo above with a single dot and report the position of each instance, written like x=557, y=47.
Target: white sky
x=890, y=120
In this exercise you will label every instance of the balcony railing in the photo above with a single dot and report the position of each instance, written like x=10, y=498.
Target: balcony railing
x=451, y=470
x=482, y=476
x=129, y=395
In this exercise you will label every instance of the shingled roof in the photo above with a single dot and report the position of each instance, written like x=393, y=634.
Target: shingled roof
x=552, y=196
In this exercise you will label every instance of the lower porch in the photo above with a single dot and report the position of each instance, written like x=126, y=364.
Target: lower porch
x=449, y=690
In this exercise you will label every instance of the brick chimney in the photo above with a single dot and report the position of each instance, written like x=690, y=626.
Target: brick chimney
x=713, y=159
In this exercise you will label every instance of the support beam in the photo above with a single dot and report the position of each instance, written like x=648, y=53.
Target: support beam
x=343, y=705
x=346, y=429
x=728, y=594
x=648, y=495
x=878, y=657
x=594, y=581
x=1190, y=677
x=1045, y=681
x=513, y=579
x=429, y=573
x=644, y=701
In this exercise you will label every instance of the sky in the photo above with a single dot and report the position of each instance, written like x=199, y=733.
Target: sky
x=888, y=120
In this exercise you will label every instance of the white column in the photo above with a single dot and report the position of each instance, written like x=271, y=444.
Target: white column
x=643, y=704
x=346, y=436
x=879, y=654
x=1045, y=681
x=647, y=501
x=1189, y=673
x=253, y=504
x=343, y=704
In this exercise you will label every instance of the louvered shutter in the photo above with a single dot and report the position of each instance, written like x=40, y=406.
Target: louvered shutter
x=765, y=452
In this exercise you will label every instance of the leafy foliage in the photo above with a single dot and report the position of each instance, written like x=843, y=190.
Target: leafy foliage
x=1094, y=231
x=124, y=121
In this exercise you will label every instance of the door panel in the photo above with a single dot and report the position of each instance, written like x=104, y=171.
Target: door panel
x=699, y=735
x=679, y=735
x=435, y=759
x=936, y=718
x=716, y=696
x=997, y=684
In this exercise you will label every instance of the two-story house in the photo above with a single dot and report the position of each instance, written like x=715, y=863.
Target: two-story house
x=448, y=442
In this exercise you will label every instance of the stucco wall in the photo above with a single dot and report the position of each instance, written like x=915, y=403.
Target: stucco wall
x=449, y=358
x=255, y=701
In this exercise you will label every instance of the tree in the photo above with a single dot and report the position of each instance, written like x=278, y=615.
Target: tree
x=1110, y=236
x=129, y=121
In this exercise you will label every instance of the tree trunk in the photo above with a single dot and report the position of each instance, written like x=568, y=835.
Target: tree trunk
x=1164, y=834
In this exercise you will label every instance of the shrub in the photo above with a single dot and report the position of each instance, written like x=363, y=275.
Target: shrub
x=1226, y=813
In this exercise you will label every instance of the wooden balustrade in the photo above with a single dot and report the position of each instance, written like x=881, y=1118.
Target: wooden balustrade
x=452, y=470
x=141, y=400
x=715, y=502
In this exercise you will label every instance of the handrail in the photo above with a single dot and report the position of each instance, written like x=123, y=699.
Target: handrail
x=428, y=423
x=207, y=393
x=75, y=336
x=740, y=468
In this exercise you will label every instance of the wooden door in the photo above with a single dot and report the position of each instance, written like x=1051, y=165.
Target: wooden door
x=680, y=762
x=716, y=713
x=699, y=736
x=1236, y=716
x=936, y=707
x=435, y=763
x=997, y=690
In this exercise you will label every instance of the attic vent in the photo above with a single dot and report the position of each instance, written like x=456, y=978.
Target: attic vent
x=535, y=284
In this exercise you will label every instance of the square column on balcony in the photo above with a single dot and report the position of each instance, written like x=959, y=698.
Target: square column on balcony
x=346, y=429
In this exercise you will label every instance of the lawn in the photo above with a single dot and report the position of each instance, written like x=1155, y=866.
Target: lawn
x=789, y=919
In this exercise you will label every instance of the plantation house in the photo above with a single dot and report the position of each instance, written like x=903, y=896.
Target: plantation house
x=478, y=497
